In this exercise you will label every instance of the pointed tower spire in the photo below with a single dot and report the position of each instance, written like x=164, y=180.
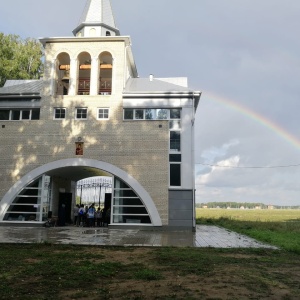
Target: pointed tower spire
x=97, y=20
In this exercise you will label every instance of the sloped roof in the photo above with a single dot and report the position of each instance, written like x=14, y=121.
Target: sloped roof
x=144, y=85
x=97, y=12
x=22, y=87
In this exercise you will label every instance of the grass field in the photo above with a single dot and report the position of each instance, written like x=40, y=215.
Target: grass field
x=65, y=272
x=278, y=227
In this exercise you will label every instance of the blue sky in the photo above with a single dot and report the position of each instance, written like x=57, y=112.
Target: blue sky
x=243, y=53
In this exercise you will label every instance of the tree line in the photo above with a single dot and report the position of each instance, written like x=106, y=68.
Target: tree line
x=19, y=58
x=245, y=205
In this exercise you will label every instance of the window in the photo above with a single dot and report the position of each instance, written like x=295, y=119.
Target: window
x=59, y=113
x=81, y=113
x=175, y=174
x=128, y=114
x=175, y=113
x=19, y=114
x=175, y=141
x=127, y=206
x=139, y=114
x=103, y=114
x=162, y=114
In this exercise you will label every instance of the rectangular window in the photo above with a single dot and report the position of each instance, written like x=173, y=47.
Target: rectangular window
x=162, y=114
x=175, y=141
x=175, y=113
x=175, y=125
x=19, y=114
x=35, y=114
x=59, y=113
x=128, y=114
x=175, y=157
x=4, y=115
x=15, y=115
x=25, y=114
x=139, y=114
x=175, y=175
x=150, y=114
x=81, y=113
x=103, y=114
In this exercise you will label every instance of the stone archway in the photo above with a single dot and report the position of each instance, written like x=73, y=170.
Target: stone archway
x=80, y=162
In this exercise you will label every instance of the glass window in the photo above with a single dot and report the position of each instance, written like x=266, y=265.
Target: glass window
x=128, y=114
x=175, y=113
x=4, y=115
x=175, y=175
x=25, y=114
x=150, y=114
x=175, y=157
x=15, y=115
x=59, y=113
x=81, y=113
x=103, y=113
x=162, y=114
x=139, y=114
x=35, y=114
x=175, y=140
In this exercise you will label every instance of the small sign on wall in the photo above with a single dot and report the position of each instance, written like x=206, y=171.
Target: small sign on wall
x=79, y=148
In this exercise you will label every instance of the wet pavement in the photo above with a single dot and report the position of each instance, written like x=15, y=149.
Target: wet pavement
x=205, y=236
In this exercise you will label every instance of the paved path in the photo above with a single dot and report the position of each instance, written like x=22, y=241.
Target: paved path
x=205, y=236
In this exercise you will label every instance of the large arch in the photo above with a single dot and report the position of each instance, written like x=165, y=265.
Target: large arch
x=81, y=162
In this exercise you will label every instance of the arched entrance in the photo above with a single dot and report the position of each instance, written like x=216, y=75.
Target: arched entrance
x=75, y=169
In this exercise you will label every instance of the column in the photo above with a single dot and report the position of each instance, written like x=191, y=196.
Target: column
x=53, y=78
x=94, y=76
x=73, y=77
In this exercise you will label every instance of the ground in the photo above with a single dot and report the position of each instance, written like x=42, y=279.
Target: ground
x=47, y=271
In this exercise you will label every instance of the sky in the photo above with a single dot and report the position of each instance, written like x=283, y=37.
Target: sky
x=244, y=56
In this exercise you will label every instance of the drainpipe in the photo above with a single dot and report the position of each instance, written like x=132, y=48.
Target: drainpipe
x=193, y=160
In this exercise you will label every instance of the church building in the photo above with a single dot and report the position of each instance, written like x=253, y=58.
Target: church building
x=92, y=115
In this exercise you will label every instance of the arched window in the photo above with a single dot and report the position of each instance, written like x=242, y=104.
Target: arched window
x=84, y=72
x=92, y=32
x=63, y=74
x=106, y=71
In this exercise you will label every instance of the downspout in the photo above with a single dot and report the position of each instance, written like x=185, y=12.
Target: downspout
x=193, y=162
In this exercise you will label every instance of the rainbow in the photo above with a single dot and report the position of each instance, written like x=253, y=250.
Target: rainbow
x=276, y=128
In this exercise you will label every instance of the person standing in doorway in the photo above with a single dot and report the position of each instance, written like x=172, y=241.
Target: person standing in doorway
x=75, y=212
x=91, y=215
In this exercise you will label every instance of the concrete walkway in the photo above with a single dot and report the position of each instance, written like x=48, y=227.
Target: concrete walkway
x=205, y=236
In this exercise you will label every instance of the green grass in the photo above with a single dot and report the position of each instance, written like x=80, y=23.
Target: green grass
x=277, y=227
x=39, y=271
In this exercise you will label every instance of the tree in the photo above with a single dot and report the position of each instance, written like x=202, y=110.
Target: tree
x=19, y=59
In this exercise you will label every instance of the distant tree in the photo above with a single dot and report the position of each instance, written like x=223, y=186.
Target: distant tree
x=19, y=59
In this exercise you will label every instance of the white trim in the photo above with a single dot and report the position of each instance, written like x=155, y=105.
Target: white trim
x=75, y=162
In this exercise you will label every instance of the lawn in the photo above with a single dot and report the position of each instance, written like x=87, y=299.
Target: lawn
x=278, y=227
x=48, y=271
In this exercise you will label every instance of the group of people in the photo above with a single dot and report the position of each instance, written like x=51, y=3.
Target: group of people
x=88, y=216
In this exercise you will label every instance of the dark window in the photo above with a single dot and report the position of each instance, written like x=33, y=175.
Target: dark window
x=15, y=115
x=175, y=175
x=175, y=158
x=60, y=113
x=175, y=113
x=139, y=114
x=175, y=140
x=35, y=114
x=25, y=114
x=4, y=115
x=81, y=113
x=128, y=114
